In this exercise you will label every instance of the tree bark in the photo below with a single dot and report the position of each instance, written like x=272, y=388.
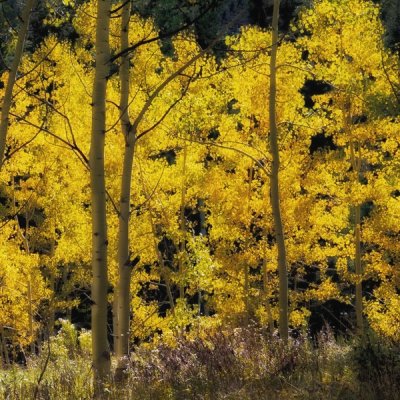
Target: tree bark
x=266, y=297
x=359, y=272
x=182, y=220
x=355, y=161
x=4, y=350
x=5, y=108
x=356, y=165
x=124, y=268
x=100, y=346
x=27, y=248
x=274, y=183
x=246, y=266
x=163, y=269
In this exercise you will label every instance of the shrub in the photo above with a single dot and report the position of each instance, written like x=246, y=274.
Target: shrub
x=377, y=365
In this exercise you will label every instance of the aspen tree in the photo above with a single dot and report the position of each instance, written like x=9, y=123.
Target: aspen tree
x=353, y=62
x=52, y=190
x=100, y=346
x=132, y=135
x=274, y=181
x=5, y=107
x=122, y=300
x=355, y=160
x=182, y=219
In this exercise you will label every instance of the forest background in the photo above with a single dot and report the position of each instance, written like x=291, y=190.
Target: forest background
x=191, y=246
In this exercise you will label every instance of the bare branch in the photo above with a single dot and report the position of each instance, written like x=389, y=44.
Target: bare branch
x=258, y=162
x=165, y=114
x=37, y=65
x=162, y=35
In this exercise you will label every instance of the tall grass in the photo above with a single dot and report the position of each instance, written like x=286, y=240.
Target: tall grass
x=244, y=363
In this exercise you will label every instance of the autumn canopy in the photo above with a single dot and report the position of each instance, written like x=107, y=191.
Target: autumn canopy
x=174, y=186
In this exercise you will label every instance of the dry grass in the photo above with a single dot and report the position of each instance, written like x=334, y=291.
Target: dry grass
x=245, y=363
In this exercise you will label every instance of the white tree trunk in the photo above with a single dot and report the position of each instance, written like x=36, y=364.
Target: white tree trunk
x=100, y=346
x=124, y=268
x=5, y=107
x=274, y=182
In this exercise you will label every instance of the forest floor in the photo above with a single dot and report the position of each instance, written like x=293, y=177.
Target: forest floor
x=242, y=364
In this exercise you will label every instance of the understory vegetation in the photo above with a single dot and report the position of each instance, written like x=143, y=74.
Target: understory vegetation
x=244, y=363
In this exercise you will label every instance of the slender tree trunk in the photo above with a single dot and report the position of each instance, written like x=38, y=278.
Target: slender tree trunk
x=356, y=164
x=202, y=216
x=25, y=240
x=274, y=182
x=52, y=310
x=246, y=295
x=30, y=315
x=100, y=346
x=182, y=243
x=247, y=267
x=124, y=267
x=115, y=318
x=266, y=297
x=358, y=265
x=355, y=160
x=5, y=107
x=163, y=269
x=203, y=232
x=6, y=357
x=52, y=282
x=29, y=287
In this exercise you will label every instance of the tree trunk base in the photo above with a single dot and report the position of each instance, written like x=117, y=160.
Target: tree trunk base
x=121, y=372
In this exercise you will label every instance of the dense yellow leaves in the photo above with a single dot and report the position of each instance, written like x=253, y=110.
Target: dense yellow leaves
x=22, y=288
x=205, y=156
x=344, y=40
x=384, y=312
